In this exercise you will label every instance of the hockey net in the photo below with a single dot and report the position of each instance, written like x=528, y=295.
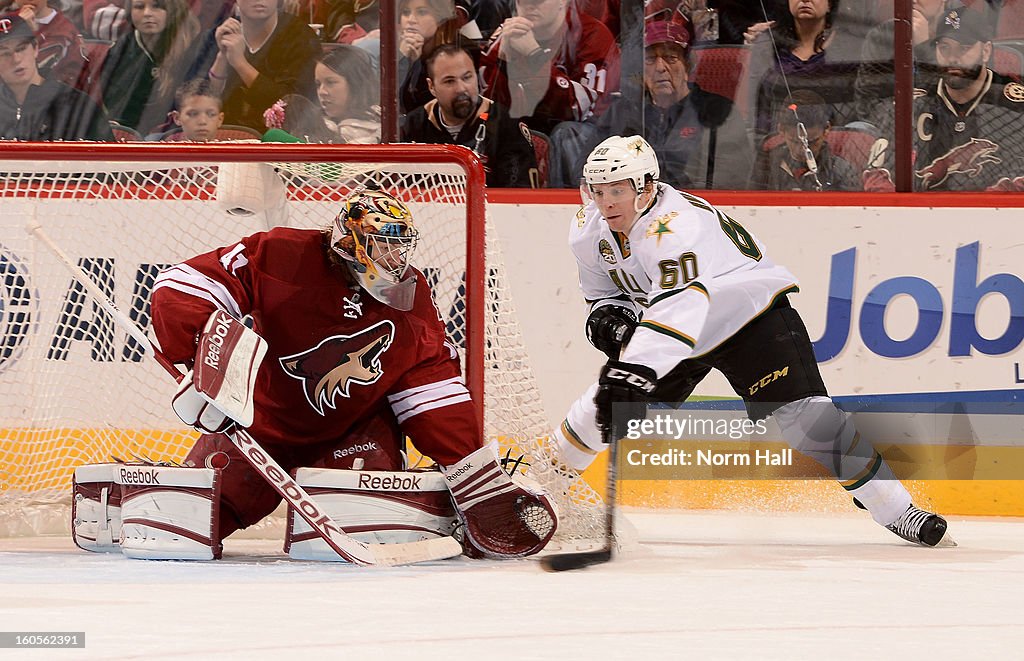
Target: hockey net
x=75, y=389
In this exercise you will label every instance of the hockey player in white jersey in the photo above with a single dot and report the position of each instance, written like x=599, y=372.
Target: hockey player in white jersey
x=676, y=288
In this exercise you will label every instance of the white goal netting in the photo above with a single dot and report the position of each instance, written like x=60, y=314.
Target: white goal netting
x=75, y=389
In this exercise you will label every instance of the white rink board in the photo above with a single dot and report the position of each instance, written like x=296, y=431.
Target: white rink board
x=918, y=243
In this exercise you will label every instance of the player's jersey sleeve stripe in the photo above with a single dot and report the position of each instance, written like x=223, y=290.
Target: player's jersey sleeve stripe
x=570, y=435
x=188, y=280
x=695, y=285
x=669, y=331
x=398, y=397
x=430, y=406
x=414, y=401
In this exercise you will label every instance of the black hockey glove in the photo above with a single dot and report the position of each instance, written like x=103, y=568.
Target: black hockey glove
x=609, y=328
x=630, y=387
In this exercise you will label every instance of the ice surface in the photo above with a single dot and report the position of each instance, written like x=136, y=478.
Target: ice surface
x=699, y=586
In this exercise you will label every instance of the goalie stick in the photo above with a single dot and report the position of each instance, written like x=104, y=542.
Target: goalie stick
x=570, y=561
x=337, y=539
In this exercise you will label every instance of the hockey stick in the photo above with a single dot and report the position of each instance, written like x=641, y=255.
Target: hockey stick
x=569, y=561
x=340, y=542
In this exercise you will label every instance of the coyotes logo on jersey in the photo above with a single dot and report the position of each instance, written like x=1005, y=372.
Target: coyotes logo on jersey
x=337, y=362
x=970, y=159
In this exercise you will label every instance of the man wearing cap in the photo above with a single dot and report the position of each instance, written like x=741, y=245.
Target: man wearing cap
x=34, y=108
x=700, y=138
x=968, y=126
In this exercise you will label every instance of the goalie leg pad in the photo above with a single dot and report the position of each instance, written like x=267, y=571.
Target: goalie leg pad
x=169, y=513
x=377, y=507
x=96, y=508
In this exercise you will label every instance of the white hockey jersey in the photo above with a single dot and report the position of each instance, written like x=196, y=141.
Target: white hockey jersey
x=693, y=274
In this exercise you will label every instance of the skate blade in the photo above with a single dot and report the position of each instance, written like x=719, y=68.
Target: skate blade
x=946, y=541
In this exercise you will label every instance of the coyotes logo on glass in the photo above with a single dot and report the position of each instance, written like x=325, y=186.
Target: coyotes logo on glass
x=331, y=367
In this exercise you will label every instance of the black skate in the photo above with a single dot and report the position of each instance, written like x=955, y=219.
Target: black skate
x=918, y=526
x=921, y=527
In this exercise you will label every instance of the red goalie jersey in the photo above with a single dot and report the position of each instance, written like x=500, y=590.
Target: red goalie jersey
x=337, y=357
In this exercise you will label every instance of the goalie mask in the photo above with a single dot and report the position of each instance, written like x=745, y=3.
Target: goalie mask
x=374, y=235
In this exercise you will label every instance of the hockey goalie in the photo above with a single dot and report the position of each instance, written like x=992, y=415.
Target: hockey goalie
x=342, y=357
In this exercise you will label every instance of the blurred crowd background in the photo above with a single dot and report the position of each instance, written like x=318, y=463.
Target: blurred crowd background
x=733, y=95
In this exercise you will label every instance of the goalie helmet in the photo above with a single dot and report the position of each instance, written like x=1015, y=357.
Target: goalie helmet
x=619, y=158
x=375, y=236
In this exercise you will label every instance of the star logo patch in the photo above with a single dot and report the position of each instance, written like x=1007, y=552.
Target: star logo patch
x=659, y=226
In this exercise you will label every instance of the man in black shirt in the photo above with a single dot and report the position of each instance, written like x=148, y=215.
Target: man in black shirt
x=458, y=115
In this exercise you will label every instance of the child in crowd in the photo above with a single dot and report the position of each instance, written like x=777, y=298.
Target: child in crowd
x=200, y=112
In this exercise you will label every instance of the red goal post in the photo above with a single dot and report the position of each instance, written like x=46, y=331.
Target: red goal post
x=74, y=390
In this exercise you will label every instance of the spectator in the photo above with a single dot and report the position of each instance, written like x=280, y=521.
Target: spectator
x=348, y=89
x=876, y=73
x=458, y=115
x=349, y=102
x=147, y=64
x=423, y=25
x=200, y=112
x=61, y=52
x=36, y=108
x=700, y=138
x=811, y=51
x=967, y=126
x=807, y=117
x=262, y=56
x=551, y=63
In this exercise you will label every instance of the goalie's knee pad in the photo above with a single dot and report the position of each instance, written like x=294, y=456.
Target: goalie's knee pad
x=96, y=508
x=169, y=513
x=377, y=507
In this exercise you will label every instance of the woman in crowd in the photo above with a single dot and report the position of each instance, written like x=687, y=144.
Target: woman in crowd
x=147, y=64
x=349, y=105
x=261, y=56
x=811, y=51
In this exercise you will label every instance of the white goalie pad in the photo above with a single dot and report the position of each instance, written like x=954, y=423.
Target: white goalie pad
x=96, y=508
x=378, y=507
x=169, y=513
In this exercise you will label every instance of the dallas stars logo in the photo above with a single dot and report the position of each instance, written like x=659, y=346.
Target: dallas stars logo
x=659, y=226
x=637, y=146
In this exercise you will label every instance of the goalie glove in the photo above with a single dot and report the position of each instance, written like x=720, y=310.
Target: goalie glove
x=501, y=519
x=609, y=328
x=196, y=411
x=627, y=388
x=220, y=391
